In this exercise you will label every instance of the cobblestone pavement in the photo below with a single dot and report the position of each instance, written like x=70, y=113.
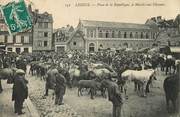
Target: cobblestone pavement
x=45, y=105
x=7, y=106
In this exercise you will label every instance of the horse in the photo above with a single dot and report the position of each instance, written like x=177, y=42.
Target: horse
x=141, y=78
x=93, y=85
x=7, y=74
x=171, y=88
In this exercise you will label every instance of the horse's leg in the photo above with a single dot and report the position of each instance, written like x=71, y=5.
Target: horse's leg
x=92, y=93
x=174, y=67
x=135, y=86
x=0, y=86
x=174, y=105
x=121, y=87
x=46, y=93
x=170, y=69
x=79, y=90
x=166, y=70
x=125, y=90
x=103, y=92
x=147, y=86
x=167, y=103
x=144, y=89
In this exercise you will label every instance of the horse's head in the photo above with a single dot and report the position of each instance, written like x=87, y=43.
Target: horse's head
x=105, y=83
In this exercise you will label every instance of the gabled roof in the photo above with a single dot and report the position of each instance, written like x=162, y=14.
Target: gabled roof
x=91, y=23
x=77, y=30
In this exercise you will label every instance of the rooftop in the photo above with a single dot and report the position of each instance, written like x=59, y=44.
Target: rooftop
x=42, y=16
x=68, y=28
x=91, y=23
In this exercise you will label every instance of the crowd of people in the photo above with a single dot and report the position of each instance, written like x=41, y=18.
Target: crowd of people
x=118, y=61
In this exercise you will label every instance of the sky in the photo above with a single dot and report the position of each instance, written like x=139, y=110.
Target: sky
x=68, y=12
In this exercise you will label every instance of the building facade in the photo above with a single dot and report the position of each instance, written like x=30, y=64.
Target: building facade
x=168, y=30
x=21, y=42
x=61, y=37
x=42, y=31
x=106, y=35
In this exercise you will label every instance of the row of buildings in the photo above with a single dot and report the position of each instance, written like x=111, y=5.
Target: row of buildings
x=89, y=36
x=97, y=35
x=39, y=38
x=92, y=36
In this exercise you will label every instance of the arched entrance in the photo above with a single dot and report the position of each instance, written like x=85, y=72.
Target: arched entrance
x=125, y=45
x=91, y=47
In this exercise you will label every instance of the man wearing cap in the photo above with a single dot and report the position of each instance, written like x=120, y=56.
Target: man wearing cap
x=20, y=91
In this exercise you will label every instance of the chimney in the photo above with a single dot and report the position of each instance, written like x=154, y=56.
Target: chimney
x=159, y=17
x=153, y=18
x=36, y=11
x=29, y=8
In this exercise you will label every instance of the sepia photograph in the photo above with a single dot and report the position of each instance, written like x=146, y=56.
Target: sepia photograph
x=89, y=58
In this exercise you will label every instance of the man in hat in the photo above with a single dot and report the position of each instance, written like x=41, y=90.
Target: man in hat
x=60, y=88
x=113, y=95
x=20, y=91
x=50, y=79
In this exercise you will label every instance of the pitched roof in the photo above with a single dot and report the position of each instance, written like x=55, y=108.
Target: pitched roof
x=65, y=29
x=77, y=30
x=91, y=23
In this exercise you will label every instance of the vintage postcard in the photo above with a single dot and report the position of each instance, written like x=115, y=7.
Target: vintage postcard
x=89, y=58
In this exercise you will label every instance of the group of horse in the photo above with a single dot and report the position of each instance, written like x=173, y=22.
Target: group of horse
x=89, y=76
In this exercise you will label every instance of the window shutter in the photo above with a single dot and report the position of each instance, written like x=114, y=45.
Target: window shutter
x=14, y=39
x=22, y=39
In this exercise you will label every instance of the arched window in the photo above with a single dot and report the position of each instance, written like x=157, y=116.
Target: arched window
x=125, y=35
x=88, y=33
x=100, y=34
x=113, y=34
x=141, y=35
x=107, y=34
x=154, y=35
x=136, y=35
x=131, y=35
x=92, y=33
x=119, y=34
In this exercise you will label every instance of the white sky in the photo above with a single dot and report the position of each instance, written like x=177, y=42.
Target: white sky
x=137, y=14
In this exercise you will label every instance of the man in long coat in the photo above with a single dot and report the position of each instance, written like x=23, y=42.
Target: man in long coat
x=60, y=88
x=20, y=91
x=50, y=79
x=114, y=96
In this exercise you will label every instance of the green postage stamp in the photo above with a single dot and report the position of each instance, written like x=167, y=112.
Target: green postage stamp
x=17, y=17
